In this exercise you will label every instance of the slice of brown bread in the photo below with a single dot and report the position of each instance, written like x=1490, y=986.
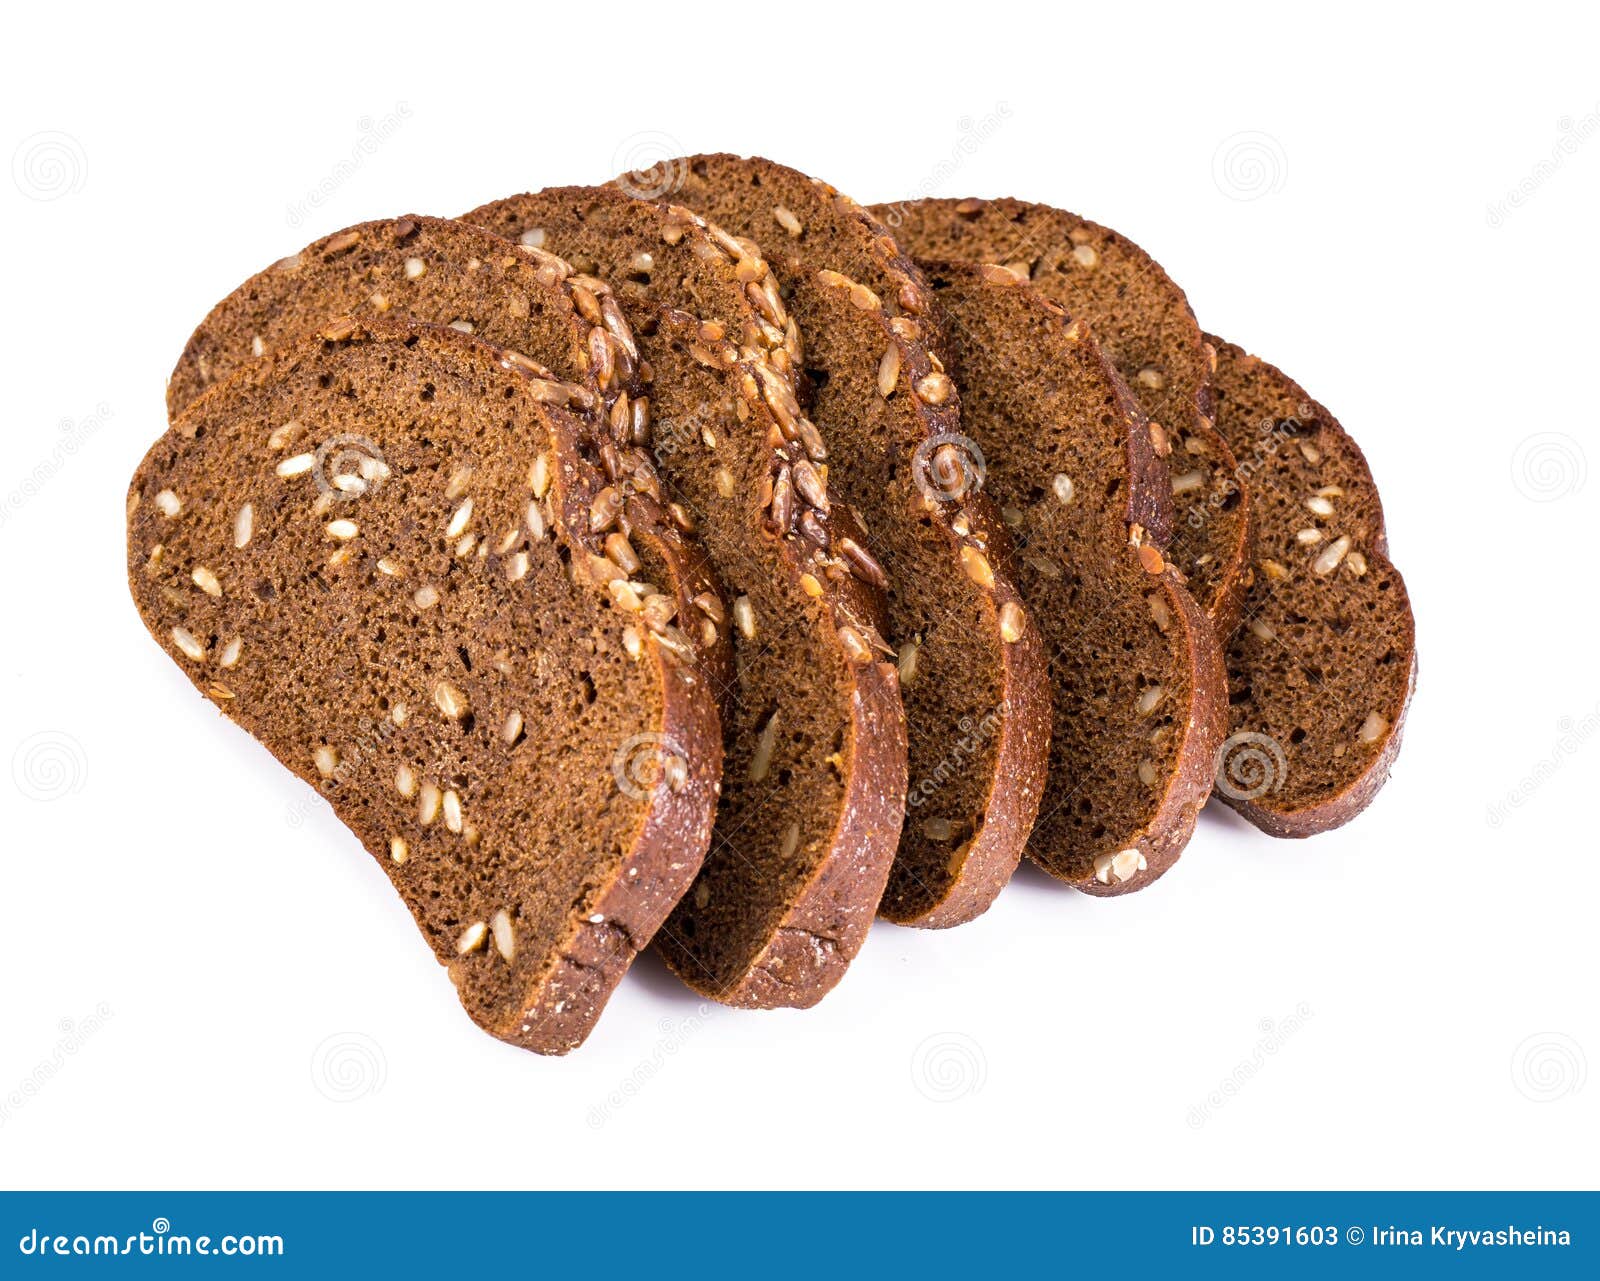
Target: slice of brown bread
x=1321, y=672
x=1137, y=671
x=814, y=784
x=516, y=296
x=1143, y=323
x=374, y=553
x=972, y=671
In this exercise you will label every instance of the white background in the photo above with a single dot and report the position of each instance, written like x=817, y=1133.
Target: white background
x=1407, y=1002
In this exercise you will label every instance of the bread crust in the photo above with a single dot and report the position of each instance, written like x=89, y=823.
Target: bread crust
x=824, y=925
x=1358, y=789
x=969, y=520
x=1188, y=778
x=597, y=348
x=1222, y=602
x=559, y=1006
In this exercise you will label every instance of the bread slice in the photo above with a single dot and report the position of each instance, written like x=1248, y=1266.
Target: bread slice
x=1143, y=323
x=814, y=784
x=1321, y=672
x=564, y=326
x=374, y=553
x=1137, y=672
x=972, y=671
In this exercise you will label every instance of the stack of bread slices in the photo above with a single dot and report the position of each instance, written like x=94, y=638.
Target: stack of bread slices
x=708, y=560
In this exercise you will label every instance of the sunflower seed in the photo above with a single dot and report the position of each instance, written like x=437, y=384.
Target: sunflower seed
x=187, y=643
x=450, y=700
x=907, y=661
x=977, y=566
x=766, y=744
x=505, y=941
x=1328, y=559
x=206, y=581
x=428, y=799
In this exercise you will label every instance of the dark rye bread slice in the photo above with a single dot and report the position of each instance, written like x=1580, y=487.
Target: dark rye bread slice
x=566, y=327
x=1322, y=669
x=1137, y=671
x=814, y=784
x=535, y=773
x=1142, y=321
x=972, y=671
